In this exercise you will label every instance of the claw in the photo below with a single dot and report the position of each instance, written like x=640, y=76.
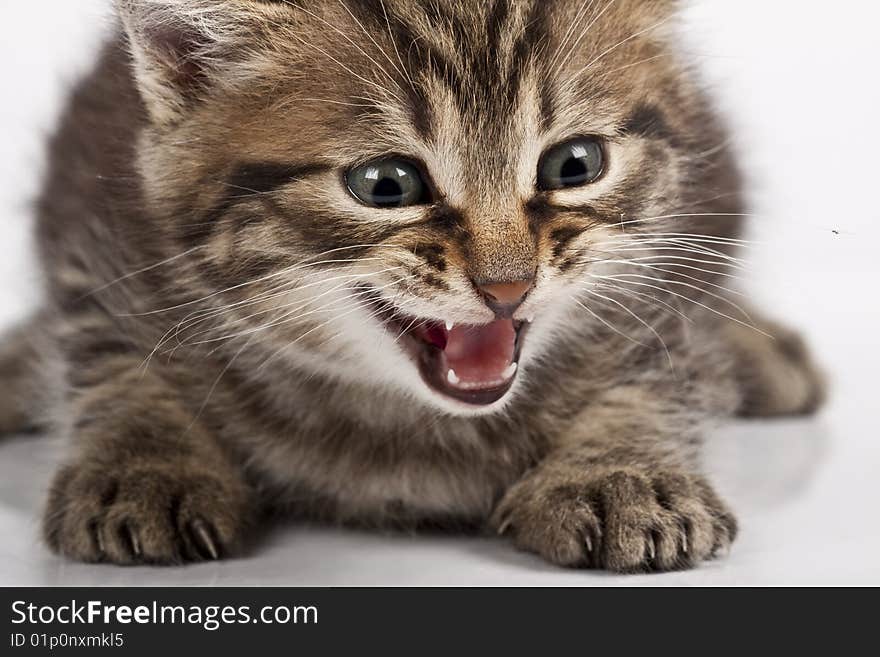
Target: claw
x=652, y=549
x=589, y=543
x=95, y=531
x=721, y=550
x=134, y=541
x=204, y=540
x=502, y=529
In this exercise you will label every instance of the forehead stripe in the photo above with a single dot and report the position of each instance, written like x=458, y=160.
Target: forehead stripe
x=248, y=179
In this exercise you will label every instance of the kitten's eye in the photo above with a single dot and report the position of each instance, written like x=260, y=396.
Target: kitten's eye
x=389, y=183
x=573, y=163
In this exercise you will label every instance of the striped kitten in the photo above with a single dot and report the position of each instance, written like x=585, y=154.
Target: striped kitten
x=398, y=263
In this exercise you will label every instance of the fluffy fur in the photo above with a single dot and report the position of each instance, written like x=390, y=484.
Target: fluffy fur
x=210, y=322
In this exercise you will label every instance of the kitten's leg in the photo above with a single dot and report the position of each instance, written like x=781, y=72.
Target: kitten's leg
x=146, y=483
x=777, y=375
x=623, y=493
x=23, y=363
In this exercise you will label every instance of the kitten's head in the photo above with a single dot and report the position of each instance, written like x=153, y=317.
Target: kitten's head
x=422, y=194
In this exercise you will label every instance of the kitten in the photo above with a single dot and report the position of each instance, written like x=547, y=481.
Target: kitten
x=398, y=263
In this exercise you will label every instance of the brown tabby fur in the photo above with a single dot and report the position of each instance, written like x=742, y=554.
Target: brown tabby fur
x=211, y=352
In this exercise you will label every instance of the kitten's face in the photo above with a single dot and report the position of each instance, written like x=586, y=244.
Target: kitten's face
x=420, y=194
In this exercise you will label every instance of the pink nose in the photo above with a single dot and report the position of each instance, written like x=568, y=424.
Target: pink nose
x=505, y=297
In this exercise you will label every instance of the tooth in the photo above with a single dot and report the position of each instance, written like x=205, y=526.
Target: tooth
x=452, y=377
x=450, y=325
x=531, y=319
x=510, y=371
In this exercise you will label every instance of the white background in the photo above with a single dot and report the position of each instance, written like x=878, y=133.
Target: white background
x=798, y=81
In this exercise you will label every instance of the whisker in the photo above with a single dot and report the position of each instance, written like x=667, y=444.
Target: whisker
x=638, y=319
x=274, y=292
x=610, y=326
x=349, y=70
x=641, y=262
x=290, y=317
x=683, y=216
x=358, y=307
x=282, y=272
x=692, y=245
x=682, y=284
x=611, y=49
x=346, y=280
x=375, y=43
x=143, y=270
x=586, y=5
x=330, y=101
x=642, y=296
x=633, y=64
x=729, y=261
x=697, y=303
x=396, y=50
x=216, y=383
x=695, y=237
x=198, y=316
x=580, y=38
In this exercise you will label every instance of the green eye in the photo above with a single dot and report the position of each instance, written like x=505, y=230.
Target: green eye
x=573, y=163
x=392, y=183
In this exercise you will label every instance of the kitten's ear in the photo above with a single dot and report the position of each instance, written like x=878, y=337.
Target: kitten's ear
x=179, y=47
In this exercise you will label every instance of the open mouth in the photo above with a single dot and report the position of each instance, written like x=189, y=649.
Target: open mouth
x=471, y=363
x=475, y=364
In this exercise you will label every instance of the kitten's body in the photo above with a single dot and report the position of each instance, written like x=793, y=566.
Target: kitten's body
x=225, y=177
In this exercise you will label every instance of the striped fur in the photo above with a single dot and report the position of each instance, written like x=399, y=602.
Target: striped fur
x=210, y=278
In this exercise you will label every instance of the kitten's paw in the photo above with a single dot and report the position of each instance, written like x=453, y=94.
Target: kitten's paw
x=154, y=514
x=625, y=520
x=777, y=375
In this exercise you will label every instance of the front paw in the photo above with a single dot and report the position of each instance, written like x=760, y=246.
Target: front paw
x=625, y=520
x=148, y=514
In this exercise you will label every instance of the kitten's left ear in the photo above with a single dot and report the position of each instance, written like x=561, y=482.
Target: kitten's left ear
x=180, y=48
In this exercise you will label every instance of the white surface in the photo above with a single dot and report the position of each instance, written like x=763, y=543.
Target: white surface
x=798, y=80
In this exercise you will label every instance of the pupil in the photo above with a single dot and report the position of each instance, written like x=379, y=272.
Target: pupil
x=574, y=172
x=387, y=192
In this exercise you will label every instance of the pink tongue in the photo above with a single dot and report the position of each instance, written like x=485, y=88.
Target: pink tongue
x=481, y=353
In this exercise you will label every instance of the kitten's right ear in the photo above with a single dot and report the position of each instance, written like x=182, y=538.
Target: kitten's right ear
x=179, y=47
